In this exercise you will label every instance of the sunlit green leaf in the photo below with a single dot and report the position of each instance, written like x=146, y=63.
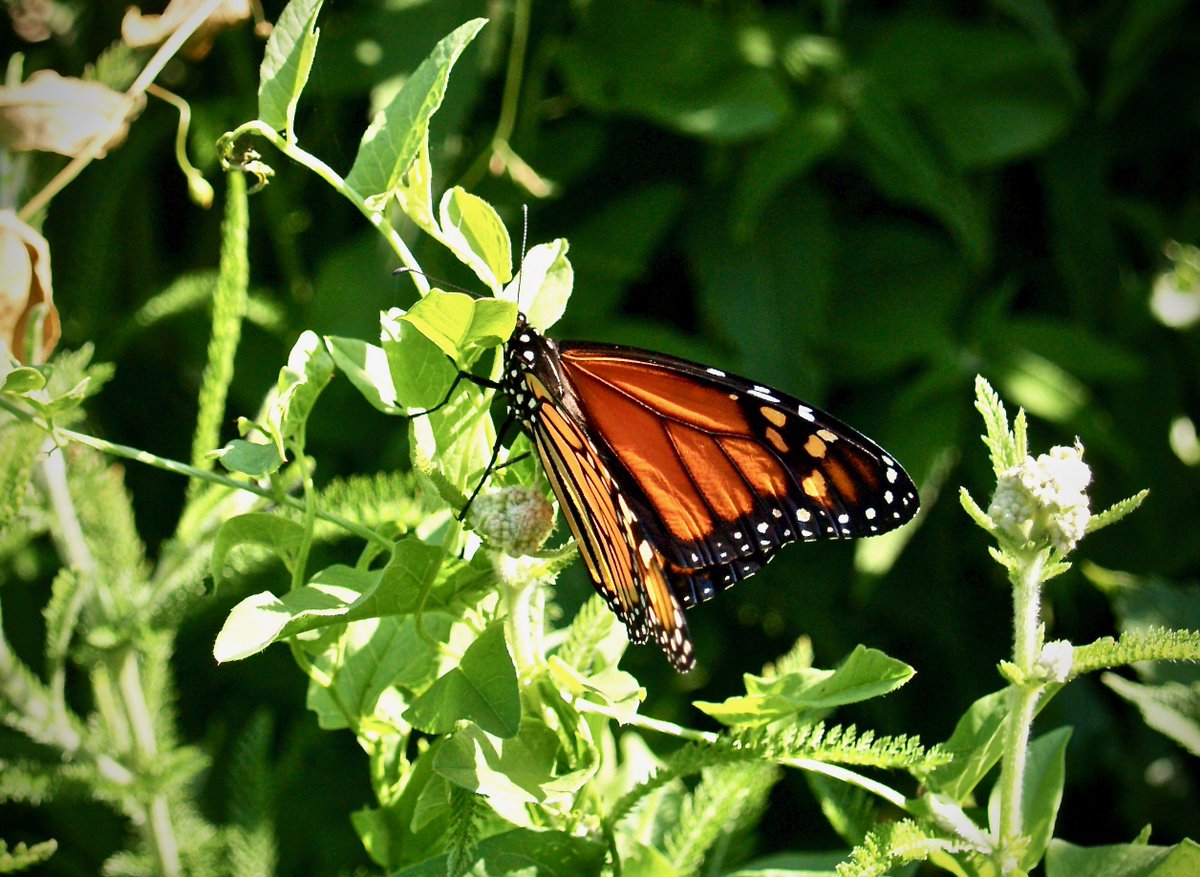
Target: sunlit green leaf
x=286, y=64
x=395, y=138
x=481, y=689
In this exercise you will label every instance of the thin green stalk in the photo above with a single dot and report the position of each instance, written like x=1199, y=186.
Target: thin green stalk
x=158, y=824
x=178, y=468
x=310, y=512
x=230, y=299
x=329, y=175
x=1023, y=699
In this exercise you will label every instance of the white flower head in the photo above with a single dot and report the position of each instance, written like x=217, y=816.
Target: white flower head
x=515, y=519
x=1056, y=660
x=1044, y=501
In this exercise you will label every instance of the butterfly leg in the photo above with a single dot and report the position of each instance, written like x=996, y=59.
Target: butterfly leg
x=485, y=383
x=509, y=421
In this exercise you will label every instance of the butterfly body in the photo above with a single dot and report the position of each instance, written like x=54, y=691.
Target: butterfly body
x=678, y=480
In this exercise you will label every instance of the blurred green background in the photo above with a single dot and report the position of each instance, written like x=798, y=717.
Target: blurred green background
x=862, y=204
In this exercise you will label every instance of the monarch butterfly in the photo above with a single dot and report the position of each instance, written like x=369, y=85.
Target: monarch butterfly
x=678, y=480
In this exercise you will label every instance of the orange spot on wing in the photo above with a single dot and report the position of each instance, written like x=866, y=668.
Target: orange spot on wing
x=815, y=486
x=815, y=447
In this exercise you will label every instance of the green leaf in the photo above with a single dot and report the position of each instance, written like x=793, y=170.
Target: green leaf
x=472, y=229
x=520, y=770
x=990, y=95
x=1123, y=860
x=281, y=536
x=23, y=380
x=255, y=459
x=975, y=745
x=866, y=673
x=334, y=595
x=395, y=138
x=286, y=63
x=542, y=286
x=414, y=192
x=308, y=370
x=455, y=321
x=481, y=689
x=418, y=369
x=1043, y=791
x=906, y=166
x=1171, y=708
x=369, y=663
x=802, y=141
x=368, y=368
x=524, y=853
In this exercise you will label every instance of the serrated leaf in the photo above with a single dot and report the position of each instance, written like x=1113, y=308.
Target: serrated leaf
x=481, y=689
x=866, y=673
x=472, y=229
x=394, y=139
x=287, y=61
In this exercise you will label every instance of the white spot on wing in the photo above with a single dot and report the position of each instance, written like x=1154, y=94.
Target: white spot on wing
x=715, y=371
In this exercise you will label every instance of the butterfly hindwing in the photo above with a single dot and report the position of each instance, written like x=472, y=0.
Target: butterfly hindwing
x=627, y=570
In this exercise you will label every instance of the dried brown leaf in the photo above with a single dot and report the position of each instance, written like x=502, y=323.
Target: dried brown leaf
x=62, y=114
x=140, y=31
x=24, y=285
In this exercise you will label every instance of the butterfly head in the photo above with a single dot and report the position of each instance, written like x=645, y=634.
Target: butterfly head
x=524, y=354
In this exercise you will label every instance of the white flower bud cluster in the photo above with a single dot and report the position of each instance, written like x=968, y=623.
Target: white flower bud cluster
x=1044, y=501
x=515, y=519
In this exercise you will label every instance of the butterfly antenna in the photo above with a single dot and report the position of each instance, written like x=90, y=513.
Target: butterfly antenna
x=524, y=242
x=444, y=284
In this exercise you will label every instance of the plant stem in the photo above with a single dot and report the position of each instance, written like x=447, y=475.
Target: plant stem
x=329, y=175
x=178, y=468
x=1023, y=699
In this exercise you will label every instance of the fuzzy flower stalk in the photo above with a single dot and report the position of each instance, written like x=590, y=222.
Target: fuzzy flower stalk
x=1038, y=513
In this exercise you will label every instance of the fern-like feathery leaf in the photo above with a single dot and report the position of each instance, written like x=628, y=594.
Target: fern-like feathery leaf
x=1116, y=511
x=841, y=744
x=466, y=810
x=590, y=626
x=893, y=844
x=728, y=798
x=817, y=742
x=1150, y=644
x=997, y=438
x=384, y=498
x=23, y=856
